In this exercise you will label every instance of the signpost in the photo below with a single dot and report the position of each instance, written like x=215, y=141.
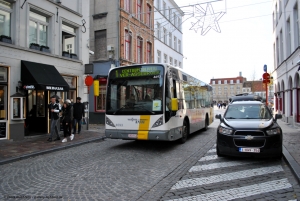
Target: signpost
x=266, y=81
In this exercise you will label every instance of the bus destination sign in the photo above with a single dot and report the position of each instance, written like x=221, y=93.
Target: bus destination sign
x=138, y=72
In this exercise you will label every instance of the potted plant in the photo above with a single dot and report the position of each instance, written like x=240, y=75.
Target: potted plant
x=74, y=56
x=34, y=46
x=65, y=54
x=5, y=39
x=44, y=48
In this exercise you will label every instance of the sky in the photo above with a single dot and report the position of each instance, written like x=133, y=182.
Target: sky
x=245, y=43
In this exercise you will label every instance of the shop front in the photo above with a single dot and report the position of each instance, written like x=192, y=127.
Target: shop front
x=40, y=82
x=3, y=102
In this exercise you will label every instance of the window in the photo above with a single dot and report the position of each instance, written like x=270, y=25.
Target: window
x=5, y=19
x=127, y=5
x=237, y=81
x=139, y=48
x=174, y=19
x=231, y=82
x=38, y=26
x=179, y=23
x=100, y=45
x=148, y=22
x=158, y=31
x=179, y=46
x=219, y=81
x=170, y=39
x=170, y=13
x=280, y=8
x=277, y=50
x=213, y=82
x=296, y=26
x=100, y=100
x=165, y=8
x=69, y=38
x=158, y=56
x=274, y=21
x=175, y=62
x=225, y=81
x=281, y=45
x=127, y=45
x=276, y=13
x=179, y=64
x=289, y=40
x=165, y=58
x=171, y=61
x=175, y=42
x=158, y=4
x=139, y=9
x=165, y=36
x=149, y=50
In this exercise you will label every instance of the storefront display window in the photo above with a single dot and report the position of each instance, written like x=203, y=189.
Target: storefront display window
x=3, y=102
x=16, y=108
x=100, y=100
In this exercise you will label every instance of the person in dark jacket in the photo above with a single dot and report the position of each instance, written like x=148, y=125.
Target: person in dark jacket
x=78, y=113
x=66, y=121
x=54, y=109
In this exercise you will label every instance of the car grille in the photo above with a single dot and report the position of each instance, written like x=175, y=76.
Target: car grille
x=249, y=143
x=252, y=133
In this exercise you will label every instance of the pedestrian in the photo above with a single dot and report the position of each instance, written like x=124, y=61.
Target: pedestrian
x=66, y=120
x=54, y=110
x=78, y=113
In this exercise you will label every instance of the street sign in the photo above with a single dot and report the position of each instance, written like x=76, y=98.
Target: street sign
x=266, y=76
x=265, y=68
x=266, y=81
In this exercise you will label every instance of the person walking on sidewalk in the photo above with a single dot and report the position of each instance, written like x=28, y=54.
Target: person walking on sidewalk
x=66, y=120
x=54, y=109
x=78, y=113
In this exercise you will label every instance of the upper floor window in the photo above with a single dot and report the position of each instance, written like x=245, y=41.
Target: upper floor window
x=69, y=38
x=237, y=81
x=127, y=45
x=175, y=62
x=149, y=52
x=179, y=23
x=165, y=58
x=179, y=64
x=175, y=42
x=213, y=82
x=38, y=29
x=158, y=31
x=225, y=81
x=165, y=36
x=231, y=81
x=179, y=46
x=139, y=47
x=174, y=19
x=219, y=81
x=127, y=5
x=158, y=4
x=158, y=56
x=170, y=13
x=170, y=39
x=5, y=19
x=139, y=9
x=148, y=22
x=171, y=61
x=165, y=8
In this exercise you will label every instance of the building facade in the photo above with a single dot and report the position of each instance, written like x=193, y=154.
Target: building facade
x=43, y=52
x=122, y=33
x=224, y=88
x=168, y=33
x=286, y=48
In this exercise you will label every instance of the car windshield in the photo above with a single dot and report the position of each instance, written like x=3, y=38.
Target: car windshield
x=248, y=111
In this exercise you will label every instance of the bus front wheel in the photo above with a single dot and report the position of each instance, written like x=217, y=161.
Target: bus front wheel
x=185, y=131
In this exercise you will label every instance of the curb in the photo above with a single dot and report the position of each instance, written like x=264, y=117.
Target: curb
x=292, y=163
x=13, y=159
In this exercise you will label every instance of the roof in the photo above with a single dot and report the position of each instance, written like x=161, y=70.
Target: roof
x=245, y=97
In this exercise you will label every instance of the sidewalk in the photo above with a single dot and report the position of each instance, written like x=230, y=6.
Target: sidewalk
x=35, y=145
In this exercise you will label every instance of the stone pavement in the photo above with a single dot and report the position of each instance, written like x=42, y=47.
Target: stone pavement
x=35, y=145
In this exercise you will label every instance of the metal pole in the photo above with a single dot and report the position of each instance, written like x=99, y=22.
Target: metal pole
x=266, y=93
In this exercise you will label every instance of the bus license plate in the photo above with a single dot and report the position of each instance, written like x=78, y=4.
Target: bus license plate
x=252, y=150
x=132, y=135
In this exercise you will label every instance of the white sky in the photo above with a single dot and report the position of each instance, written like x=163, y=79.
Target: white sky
x=244, y=45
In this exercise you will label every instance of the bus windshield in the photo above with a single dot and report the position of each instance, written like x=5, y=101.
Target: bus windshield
x=135, y=90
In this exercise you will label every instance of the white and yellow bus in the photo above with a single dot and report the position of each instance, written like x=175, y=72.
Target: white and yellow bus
x=155, y=102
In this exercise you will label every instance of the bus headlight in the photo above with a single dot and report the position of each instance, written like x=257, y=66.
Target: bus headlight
x=109, y=122
x=159, y=122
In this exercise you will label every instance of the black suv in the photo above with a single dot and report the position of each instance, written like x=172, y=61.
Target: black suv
x=249, y=129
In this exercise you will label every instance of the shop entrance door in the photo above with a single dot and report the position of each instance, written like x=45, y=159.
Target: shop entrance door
x=37, y=114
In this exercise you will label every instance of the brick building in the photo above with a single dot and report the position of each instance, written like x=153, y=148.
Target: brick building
x=121, y=34
x=224, y=88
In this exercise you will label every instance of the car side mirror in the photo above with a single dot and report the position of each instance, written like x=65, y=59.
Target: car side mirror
x=278, y=116
x=218, y=116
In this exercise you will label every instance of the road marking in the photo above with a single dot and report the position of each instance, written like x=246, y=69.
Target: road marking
x=208, y=158
x=241, y=192
x=226, y=177
x=218, y=165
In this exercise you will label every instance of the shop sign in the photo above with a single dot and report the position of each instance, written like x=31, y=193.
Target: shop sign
x=29, y=87
x=53, y=88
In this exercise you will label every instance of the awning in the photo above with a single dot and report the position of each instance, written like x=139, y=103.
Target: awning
x=42, y=77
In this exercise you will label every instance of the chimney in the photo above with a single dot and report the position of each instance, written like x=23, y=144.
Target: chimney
x=240, y=74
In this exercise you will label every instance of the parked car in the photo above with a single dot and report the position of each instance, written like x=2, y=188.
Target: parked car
x=248, y=128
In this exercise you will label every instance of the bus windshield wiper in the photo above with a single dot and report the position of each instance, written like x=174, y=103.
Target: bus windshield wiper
x=141, y=106
x=230, y=118
x=119, y=109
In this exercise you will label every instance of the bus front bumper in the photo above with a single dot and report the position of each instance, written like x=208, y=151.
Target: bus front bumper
x=142, y=135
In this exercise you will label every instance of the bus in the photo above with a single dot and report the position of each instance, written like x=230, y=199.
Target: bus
x=155, y=102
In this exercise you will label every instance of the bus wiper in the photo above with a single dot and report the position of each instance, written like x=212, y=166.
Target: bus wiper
x=119, y=109
x=140, y=106
x=230, y=118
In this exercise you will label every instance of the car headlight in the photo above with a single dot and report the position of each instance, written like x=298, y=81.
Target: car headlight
x=225, y=131
x=109, y=122
x=274, y=131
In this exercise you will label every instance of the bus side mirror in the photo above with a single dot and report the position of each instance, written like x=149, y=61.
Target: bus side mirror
x=174, y=104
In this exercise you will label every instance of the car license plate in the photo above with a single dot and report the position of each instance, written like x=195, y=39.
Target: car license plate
x=252, y=150
x=132, y=135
